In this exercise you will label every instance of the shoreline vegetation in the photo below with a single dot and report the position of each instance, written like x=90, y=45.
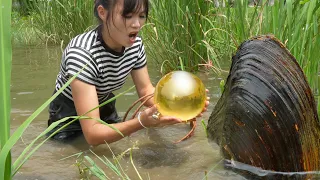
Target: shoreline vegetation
x=198, y=35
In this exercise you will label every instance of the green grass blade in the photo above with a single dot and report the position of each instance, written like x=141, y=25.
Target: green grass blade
x=5, y=69
x=318, y=104
x=213, y=168
x=204, y=127
x=134, y=165
x=18, y=162
x=19, y=131
x=253, y=17
x=95, y=169
x=117, y=161
x=15, y=166
x=289, y=16
x=312, y=5
x=77, y=154
x=181, y=64
x=113, y=167
x=5, y=77
x=108, y=163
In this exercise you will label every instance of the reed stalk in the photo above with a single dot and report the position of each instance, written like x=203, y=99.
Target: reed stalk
x=61, y=20
x=180, y=29
x=5, y=77
x=296, y=24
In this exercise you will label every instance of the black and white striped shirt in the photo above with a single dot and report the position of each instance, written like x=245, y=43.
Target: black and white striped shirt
x=106, y=68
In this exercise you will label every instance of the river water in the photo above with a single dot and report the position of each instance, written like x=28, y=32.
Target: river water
x=155, y=155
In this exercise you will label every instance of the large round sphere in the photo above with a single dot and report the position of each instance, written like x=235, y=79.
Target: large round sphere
x=180, y=94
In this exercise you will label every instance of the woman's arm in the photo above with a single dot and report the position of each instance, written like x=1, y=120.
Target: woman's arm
x=143, y=84
x=85, y=98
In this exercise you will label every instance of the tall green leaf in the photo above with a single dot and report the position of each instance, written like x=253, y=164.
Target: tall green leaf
x=6, y=147
x=23, y=157
x=5, y=76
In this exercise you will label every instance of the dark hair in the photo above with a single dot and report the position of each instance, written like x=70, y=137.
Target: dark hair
x=129, y=6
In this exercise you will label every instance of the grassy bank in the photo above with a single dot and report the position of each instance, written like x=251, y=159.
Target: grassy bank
x=194, y=33
x=183, y=31
x=53, y=22
x=199, y=33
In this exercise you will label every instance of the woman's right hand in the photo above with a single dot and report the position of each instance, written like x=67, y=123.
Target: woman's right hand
x=148, y=121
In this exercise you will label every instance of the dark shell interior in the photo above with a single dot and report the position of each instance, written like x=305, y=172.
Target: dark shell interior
x=266, y=116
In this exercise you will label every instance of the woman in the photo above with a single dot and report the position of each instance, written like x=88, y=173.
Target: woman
x=111, y=52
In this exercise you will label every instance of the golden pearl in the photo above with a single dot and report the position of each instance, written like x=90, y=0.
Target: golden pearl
x=180, y=94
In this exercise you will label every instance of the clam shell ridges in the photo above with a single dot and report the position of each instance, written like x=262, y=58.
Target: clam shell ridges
x=266, y=116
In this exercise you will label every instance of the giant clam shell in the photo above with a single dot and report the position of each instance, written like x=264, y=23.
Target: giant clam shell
x=266, y=116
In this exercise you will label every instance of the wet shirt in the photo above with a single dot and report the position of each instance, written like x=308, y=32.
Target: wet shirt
x=103, y=67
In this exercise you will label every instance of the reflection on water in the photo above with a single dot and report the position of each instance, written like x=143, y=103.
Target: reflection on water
x=33, y=77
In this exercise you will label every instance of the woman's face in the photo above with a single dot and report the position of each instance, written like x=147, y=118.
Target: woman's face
x=122, y=31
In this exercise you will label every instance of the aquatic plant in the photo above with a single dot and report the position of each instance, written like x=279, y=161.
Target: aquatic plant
x=208, y=35
x=24, y=7
x=24, y=31
x=61, y=20
x=201, y=36
x=180, y=29
x=5, y=76
x=88, y=167
x=267, y=115
x=296, y=23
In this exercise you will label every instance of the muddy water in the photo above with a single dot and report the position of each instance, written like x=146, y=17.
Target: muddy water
x=155, y=156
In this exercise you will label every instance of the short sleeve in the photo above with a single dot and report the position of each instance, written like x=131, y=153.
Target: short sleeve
x=141, y=61
x=78, y=59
